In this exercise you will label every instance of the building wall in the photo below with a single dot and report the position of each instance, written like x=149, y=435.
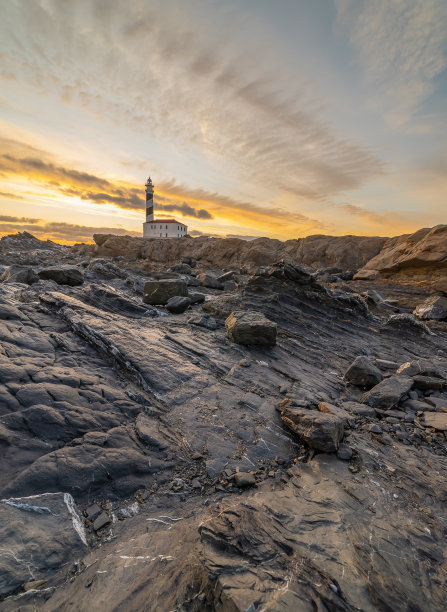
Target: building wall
x=164, y=230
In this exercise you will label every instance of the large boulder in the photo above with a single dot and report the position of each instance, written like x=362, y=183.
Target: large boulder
x=420, y=256
x=63, y=275
x=319, y=430
x=434, y=307
x=250, y=328
x=38, y=534
x=160, y=291
x=363, y=373
x=389, y=392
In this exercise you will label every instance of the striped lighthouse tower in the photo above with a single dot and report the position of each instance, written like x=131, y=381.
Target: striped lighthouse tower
x=149, y=200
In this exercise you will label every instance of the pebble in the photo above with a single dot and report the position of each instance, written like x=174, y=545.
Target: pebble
x=244, y=479
x=102, y=520
x=374, y=428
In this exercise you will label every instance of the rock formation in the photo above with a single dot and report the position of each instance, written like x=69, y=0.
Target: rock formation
x=153, y=461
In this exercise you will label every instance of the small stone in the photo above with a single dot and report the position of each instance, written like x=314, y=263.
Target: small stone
x=92, y=512
x=245, y=363
x=375, y=428
x=363, y=373
x=196, y=484
x=344, y=452
x=178, y=304
x=101, y=521
x=244, y=479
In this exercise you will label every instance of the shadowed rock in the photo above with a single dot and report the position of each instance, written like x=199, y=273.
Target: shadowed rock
x=389, y=392
x=160, y=291
x=363, y=373
x=250, y=328
x=322, y=431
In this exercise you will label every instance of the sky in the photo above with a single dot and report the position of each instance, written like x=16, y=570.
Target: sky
x=279, y=118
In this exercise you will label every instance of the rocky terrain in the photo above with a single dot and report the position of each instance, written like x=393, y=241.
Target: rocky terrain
x=204, y=425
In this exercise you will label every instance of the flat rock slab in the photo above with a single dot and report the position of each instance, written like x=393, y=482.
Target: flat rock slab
x=38, y=534
x=161, y=291
x=318, y=430
x=63, y=275
x=250, y=328
x=437, y=420
x=388, y=392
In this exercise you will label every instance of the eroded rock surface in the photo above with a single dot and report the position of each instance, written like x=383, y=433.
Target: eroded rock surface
x=194, y=491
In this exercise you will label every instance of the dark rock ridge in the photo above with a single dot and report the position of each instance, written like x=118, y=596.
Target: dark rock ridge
x=149, y=462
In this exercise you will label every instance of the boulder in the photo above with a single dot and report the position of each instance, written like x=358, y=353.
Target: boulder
x=160, y=291
x=318, y=430
x=434, y=308
x=178, y=304
x=363, y=373
x=250, y=328
x=41, y=533
x=182, y=268
x=389, y=392
x=64, y=275
x=244, y=480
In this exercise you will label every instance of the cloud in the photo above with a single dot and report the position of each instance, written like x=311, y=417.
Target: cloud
x=59, y=232
x=10, y=195
x=162, y=71
x=401, y=47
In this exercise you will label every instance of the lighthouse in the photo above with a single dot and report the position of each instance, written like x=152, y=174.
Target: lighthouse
x=160, y=228
x=149, y=200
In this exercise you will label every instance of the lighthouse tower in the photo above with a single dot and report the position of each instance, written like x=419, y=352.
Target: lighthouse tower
x=160, y=228
x=149, y=200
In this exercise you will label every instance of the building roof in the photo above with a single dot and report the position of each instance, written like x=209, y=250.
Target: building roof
x=166, y=221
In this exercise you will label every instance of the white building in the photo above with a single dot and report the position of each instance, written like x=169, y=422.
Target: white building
x=160, y=228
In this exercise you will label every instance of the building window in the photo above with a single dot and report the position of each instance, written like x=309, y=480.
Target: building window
x=166, y=234
x=160, y=234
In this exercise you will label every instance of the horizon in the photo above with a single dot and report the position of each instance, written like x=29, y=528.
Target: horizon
x=252, y=119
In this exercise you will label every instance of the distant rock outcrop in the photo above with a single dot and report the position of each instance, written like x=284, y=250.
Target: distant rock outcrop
x=344, y=252
x=421, y=256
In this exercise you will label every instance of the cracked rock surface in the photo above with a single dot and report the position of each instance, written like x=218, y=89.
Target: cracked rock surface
x=175, y=469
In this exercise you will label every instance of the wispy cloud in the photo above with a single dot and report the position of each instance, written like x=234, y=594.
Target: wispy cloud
x=401, y=46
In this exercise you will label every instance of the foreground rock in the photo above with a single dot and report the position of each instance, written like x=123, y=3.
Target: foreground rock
x=250, y=328
x=161, y=291
x=319, y=430
x=363, y=373
x=389, y=392
x=38, y=534
x=434, y=308
x=65, y=275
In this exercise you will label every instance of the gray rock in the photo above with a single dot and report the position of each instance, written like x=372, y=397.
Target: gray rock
x=244, y=480
x=64, y=275
x=375, y=428
x=160, y=291
x=361, y=410
x=347, y=418
x=92, y=512
x=363, y=373
x=196, y=298
x=19, y=274
x=101, y=521
x=434, y=308
x=250, y=328
x=389, y=392
x=39, y=534
x=318, y=430
x=426, y=383
x=422, y=367
x=208, y=280
x=148, y=431
x=178, y=304
x=204, y=321
x=344, y=452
